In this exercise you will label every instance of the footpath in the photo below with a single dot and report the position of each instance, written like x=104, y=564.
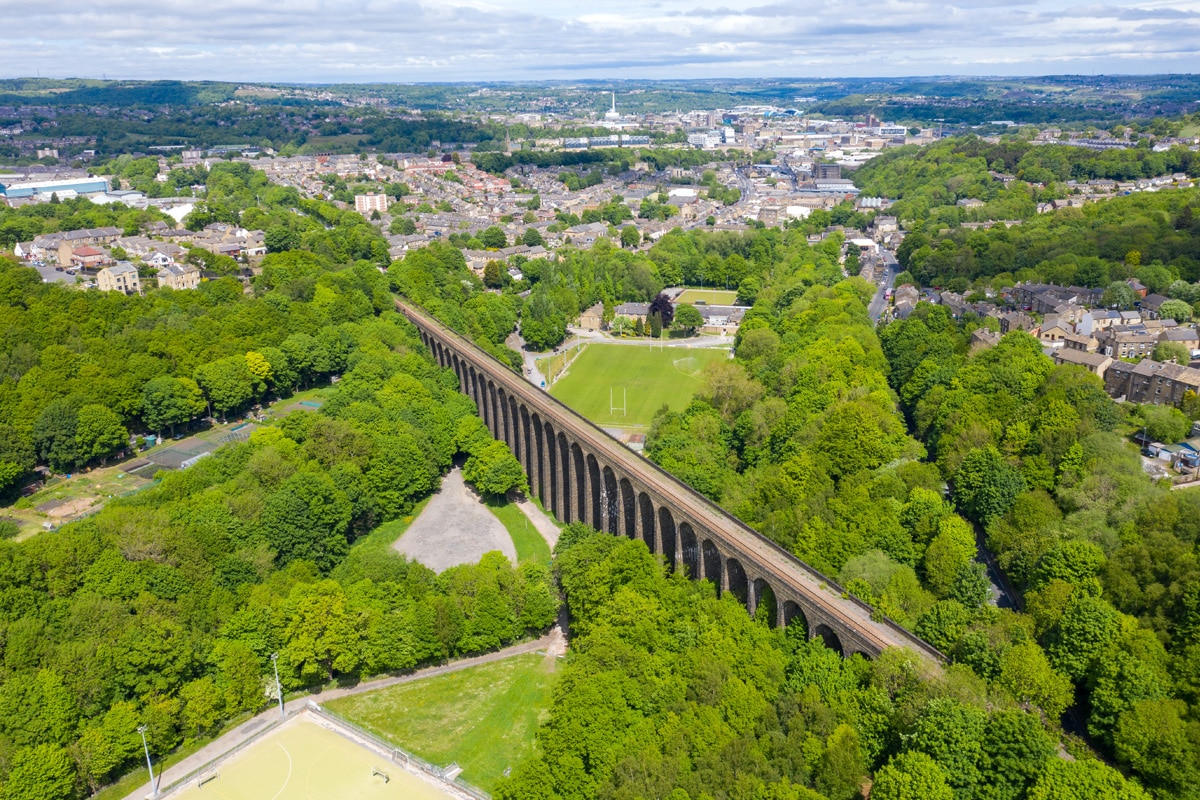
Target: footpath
x=553, y=644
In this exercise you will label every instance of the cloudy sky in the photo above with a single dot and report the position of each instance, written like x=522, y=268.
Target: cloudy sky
x=431, y=40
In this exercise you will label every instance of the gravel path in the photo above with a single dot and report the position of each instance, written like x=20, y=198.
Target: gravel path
x=455, y=528
x=546, y=526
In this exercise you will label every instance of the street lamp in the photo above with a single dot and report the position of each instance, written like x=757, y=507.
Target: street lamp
x=149, y=766
x=278, y=685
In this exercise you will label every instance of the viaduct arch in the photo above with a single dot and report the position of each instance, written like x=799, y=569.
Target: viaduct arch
x=582, y=474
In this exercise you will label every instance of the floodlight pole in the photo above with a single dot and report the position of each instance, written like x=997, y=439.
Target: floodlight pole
x=278, y=685
x=149, y=766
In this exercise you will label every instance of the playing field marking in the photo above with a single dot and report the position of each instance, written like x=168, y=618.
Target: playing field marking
x=687, y=366
x=289, y=775
x=313, y=764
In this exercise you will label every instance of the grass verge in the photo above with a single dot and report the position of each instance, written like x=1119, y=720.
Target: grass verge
x=483, y=718
x=529, y=543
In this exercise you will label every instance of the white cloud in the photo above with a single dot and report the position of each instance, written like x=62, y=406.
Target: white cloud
x=414, y=40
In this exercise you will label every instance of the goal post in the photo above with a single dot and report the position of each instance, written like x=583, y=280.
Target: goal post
x=613, y=408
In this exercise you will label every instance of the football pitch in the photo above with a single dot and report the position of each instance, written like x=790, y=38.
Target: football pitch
x=649, y=377
x=304, y=760
x=713, y=297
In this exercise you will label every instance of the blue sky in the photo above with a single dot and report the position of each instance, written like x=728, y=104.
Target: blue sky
x=381, y=40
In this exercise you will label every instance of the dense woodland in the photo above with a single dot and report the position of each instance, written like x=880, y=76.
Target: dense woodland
x=1154, y=237
x=803, y=438
x=927, y=182
x=165, y=606
x=672, y=693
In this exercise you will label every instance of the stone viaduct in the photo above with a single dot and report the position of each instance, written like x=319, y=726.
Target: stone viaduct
x=580, y=473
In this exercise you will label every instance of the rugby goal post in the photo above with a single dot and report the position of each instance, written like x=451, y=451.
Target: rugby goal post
x=613, y=408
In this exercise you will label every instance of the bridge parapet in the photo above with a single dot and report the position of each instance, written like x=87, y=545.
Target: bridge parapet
x=580, y=473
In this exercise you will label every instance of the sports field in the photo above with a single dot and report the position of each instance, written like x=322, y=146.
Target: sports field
x=713, y=297
x=306, y=761
x=482, y=718
x=650, y=377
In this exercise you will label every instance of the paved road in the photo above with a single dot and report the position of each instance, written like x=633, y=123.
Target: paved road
x=553, y=643
x=879, y=303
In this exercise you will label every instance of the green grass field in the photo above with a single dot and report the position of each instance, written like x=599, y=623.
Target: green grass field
x=483, y=718
x=305, y=761
x=650, y=378
x=713, y=297
x=529, y=543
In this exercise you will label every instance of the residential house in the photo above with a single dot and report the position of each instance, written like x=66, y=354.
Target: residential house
x=982, y=338
x=85, y=257
x=635, y=311
x=1150, y=305
x=1093, y=362
x=1150, y=381
x=1081, y=342
x=1018, y=321
x=1188, y=337
x=178, y=276
x=592, y=319
x=120, y=277
x=1053, y=334
x=1096, y=320
x=1126, y=343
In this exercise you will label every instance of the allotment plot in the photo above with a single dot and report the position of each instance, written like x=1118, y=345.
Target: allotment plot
x=621, y=386
x=304, y=760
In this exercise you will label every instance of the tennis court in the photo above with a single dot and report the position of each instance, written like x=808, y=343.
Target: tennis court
x=303, y=760
x=713, y=297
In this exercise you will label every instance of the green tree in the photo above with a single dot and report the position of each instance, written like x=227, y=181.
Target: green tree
x=494, y=470
x=493, y=238
x=494, y=274
x=951, y=550
x=631, y=237
x=41, y=772
x=1083, y=780
x=655, y=326
x=227, y=382
x=17, y=455
x=1178, y=310
x=1026, y=673
x=321, y=634
x=688, y=318
x=1166, y=424
x=841, y=767
x=281, y=238
x=1119, y=295
x=911, y=776
x=532, y=237
x=985, y=486
x=1015, y=749
x=169, y=401
x=203, y=705
x=1153, y=739
x=1172, y=351
x=99, y=432
x=54, y=435
x=307, y=518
